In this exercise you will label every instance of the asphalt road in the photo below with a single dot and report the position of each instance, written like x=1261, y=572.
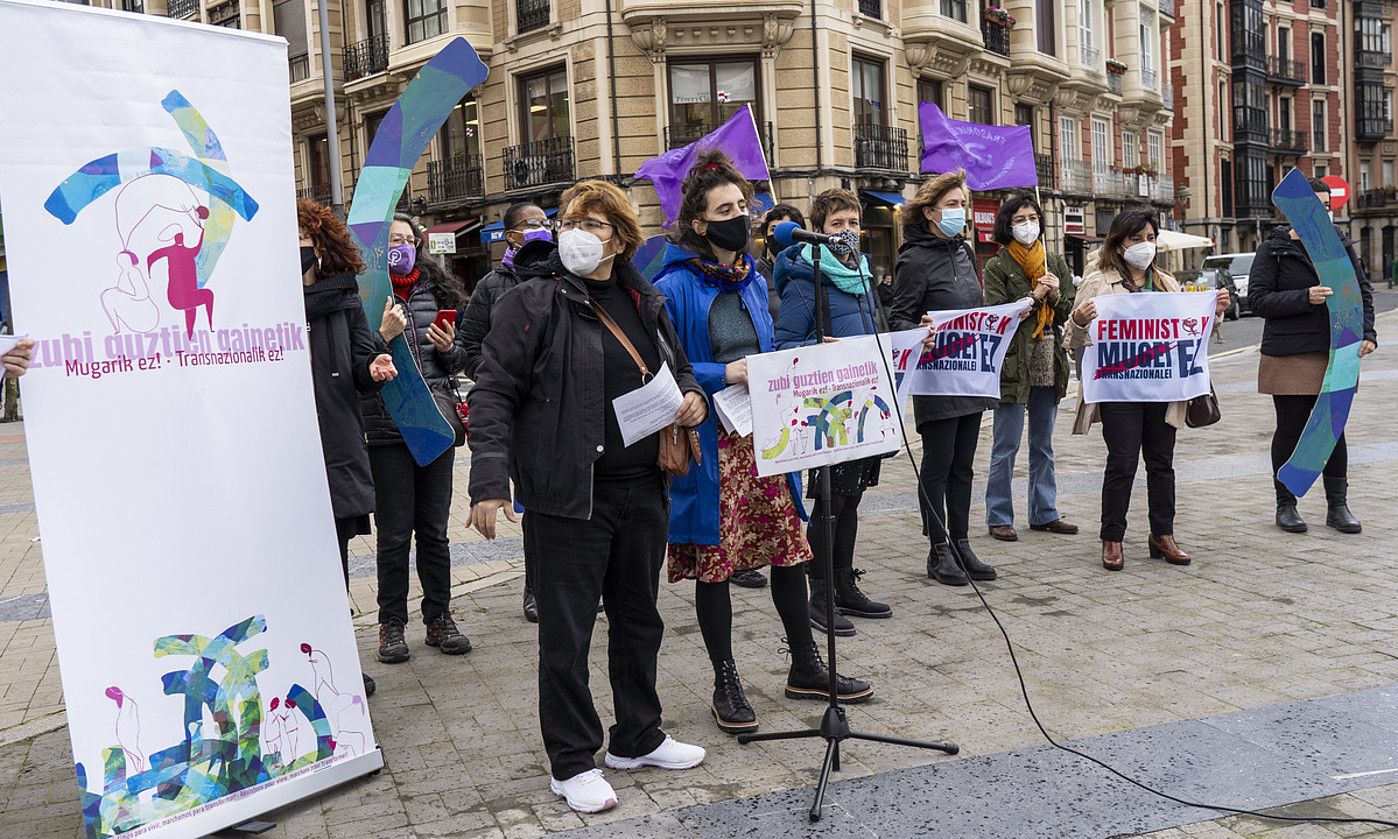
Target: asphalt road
x=1247, y=330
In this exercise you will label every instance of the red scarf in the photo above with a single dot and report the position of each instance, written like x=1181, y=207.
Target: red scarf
x=403, y=285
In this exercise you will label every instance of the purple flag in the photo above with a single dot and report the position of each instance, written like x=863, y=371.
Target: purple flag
x=737, y=137
x=994, y=157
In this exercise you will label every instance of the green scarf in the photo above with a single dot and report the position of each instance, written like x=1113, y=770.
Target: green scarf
x=846, y=279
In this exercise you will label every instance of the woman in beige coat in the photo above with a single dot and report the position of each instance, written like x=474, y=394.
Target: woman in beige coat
x=1132, y=429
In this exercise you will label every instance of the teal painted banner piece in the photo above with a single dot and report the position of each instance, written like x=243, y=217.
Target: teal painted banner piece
x=1297, y=201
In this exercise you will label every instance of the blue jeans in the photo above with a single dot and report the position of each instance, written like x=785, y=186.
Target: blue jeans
x=1043, y=487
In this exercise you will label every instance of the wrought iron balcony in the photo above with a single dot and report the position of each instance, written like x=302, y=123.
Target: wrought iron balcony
x=300, y=68
x=1162, y=189
x=539, y=163
x=1112, y=183
x=1289, y=141
x=880, y=147
x=1372, y=199
x=1167, y=96
x=679, y=136
x=1167, y=7
x=1043, y=167
x=1150, y=79
x=996, y=37
x=319, y=194
x=871, y=8
x=1089, y=57
x=456, y=179
x=1114, y=83
x=531, y=15
x=1286, y=71
x=1075, y=177
x=183, y=8
x=366, y=57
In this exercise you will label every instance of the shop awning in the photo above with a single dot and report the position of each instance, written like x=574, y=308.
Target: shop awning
x=495, y=231
x=1089, y=240
x=892, y=199
x=457, y=227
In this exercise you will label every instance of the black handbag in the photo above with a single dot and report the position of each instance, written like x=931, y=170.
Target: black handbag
x=1203, y=411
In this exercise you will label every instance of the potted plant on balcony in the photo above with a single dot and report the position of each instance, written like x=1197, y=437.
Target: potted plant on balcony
x=999, y=17
x=1143, y=169
x=1116, y=68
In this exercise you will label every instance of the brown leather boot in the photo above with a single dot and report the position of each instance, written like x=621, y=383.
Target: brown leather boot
x=1164, y=547
x=1112, y=557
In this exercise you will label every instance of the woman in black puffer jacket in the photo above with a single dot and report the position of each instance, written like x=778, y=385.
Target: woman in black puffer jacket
x=413, y=498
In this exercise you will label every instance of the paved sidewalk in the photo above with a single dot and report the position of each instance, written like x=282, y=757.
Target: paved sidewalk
x=1261, y=618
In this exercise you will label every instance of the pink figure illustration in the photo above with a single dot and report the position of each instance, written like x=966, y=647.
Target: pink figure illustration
x=183, y=290
x=291, y=732
x=273, y=728
x=150, y=213
x=128, y=730
x=345, y=710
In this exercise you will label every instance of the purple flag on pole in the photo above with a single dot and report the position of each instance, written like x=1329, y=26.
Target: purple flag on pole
x=737, y=137
x=994, y=157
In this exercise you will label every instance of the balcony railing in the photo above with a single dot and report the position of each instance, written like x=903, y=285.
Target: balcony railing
x=531, y=15
x=1167, y=7
x=182, y=8
x=1373, y=59
x=871, y=8
x=1043, y=167
x=997, y=37
x=455, y=179
x=1075, y=176
x=539, y=163
x=1162, y=189
x=679, y=136
x=880, y=147
x=1385, y=196
x=318, y=194
x=1167, y=96
x=1114, y=83
x=300, y=68
x=1113, y=183
x=1249, y=120
x=366, y=57
x=1285, y=70
x=1289, y=141
x=1150, y=79
x=1089, y=57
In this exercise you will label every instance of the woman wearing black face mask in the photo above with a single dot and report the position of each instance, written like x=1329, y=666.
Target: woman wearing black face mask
x=770, y=249
x=724, y=519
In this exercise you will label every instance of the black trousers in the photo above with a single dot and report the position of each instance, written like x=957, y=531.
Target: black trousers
x=1292, y=413
x=617, y=554
x=1134, y=430
x=948, y=466
x=412, y=499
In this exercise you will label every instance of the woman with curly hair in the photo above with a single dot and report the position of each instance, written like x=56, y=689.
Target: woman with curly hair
x=346, y=360
x=412, y=498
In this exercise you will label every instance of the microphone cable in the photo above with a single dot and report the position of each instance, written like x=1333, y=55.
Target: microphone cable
x=936, y=516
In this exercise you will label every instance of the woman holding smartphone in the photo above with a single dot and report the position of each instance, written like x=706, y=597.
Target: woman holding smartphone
x=412, y=498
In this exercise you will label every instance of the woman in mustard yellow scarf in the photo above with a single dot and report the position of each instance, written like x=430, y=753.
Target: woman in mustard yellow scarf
x=1035, y=374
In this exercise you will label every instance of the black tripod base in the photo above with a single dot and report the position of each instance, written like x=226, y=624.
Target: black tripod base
x=834, y=729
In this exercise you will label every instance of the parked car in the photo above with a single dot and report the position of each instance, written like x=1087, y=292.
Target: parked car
x=1230, y=271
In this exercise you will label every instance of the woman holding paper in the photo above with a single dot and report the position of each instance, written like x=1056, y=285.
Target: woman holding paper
x=724, y=518
x=853, y=310
x=570, y=339
x=1132, y=430
x=937, y=272
x=1035, y=375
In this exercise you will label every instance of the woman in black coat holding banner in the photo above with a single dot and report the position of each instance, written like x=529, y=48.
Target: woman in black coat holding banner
x=936, y=272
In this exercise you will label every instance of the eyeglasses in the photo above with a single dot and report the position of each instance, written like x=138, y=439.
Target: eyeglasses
x=394, y=240
x=534, y=224
x=590, y=225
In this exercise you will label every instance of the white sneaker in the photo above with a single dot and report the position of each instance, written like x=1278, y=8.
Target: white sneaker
x=587, y=792
x=672, y=754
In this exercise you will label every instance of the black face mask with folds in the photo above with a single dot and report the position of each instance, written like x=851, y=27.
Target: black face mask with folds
x=730, y=235
x=308, y=258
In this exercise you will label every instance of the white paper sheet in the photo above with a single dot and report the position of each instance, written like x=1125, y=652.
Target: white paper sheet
x=7, y=342
x=734, y=406
x=648, y=408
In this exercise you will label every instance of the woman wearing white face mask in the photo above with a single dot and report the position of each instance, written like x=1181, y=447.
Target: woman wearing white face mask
x=1132, y=430
x=1036, y=371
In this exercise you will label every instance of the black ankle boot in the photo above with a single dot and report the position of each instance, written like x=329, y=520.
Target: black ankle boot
x=1287, y=517
x=1338, y=516
x=850, y=600
x=975, y=569
x=808, y=679
x=843, y=627
x=942, y=567
x=531, y=609
x=731, y=709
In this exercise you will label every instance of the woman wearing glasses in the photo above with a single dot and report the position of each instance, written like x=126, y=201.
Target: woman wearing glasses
x=524, y=222
x=599, y=510
x=411, y=498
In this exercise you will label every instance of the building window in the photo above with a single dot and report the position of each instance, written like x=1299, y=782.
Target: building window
x=371, y=126
x=1149, y=76
x=1387, y=171
x=1087, y=47
x=1283, y=44
x=1024, y=115
x=1155, y=151
x=1225, y=188
x=1223, y=110
x=980, y=103
x=1046, y=26
x=531, y=15
x=425, y=19
x=954, y=9
x=543, y=100
x=1321, y=170
x=1219, y=31
x=136, y=6
x=318, y=167
x=1130, y=150
x=1284, y=114
x=705, y=93
x=1364, y=176
x=1318, y=125
x=930, y=90
x=1317, y=58
x=1101, y=148
x=1068, y=139
x=461, y=133
x=868, y=91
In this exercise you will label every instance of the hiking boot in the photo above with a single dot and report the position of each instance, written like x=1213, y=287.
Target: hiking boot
x=732, y=711
x=975, y=569
x=393, y=649
x=843, y=627
x=531, y=609
x=851, y=601
x=443, y=634
x=942, y=566
x=809, y=679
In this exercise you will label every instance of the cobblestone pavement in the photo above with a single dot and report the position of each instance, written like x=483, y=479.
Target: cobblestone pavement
x=1260, y=618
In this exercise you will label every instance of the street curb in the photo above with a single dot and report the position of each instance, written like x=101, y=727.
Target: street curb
x=33, y=728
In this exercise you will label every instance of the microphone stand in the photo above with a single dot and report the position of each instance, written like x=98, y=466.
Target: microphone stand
x=834, y=725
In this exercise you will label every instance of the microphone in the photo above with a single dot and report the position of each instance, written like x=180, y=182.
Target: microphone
x=788, y=232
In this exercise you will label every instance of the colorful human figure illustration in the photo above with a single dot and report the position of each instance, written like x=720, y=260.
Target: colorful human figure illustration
x=349, y=718
x=128, y=729
x=183, y=289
